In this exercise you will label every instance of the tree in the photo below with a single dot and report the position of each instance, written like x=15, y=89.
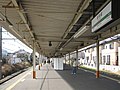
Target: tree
x=22, y=56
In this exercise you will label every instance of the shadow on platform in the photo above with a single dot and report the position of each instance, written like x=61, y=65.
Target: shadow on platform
x=84, y=80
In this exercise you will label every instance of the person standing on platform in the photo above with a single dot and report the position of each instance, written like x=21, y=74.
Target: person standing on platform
x=74, y=70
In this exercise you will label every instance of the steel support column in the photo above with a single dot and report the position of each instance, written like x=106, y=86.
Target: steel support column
x=77, y=55
x=0, y=52
x=65, y=58
x=93, y=7
x=97, y=63
x=34, y=60
x=69, y=58
x=39, y=61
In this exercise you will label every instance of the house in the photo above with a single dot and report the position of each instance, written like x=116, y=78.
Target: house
x=110, y=53
x=109, y=56
x=18, y=56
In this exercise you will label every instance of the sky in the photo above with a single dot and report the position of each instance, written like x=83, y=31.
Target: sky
x=12, y=44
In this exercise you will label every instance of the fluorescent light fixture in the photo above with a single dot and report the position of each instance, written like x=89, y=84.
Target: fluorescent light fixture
x=81, y=31
x=30, y=45
x=1, y=19
x=61, y=49
x=11, y=27
x=24, y=39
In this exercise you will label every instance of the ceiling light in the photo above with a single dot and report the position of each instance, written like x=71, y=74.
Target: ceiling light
x=81, y=31
x=24, y=39
x=50, y=44
x=30, y=45
x=10, y=26
x=61, y=49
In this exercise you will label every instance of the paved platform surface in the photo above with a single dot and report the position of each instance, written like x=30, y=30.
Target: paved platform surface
x=50, y=79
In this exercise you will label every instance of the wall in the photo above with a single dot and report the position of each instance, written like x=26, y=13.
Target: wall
x=58, y=63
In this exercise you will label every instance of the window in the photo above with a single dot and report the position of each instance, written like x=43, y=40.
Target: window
x=100, y=58
x=108, y=60
x=93, y=49
x=111, y=46
x=87, y=59
x=103, y=46
x=88, y=50
x=94, y=59
x=104, y=59
x=116, y=61
x=106, y=47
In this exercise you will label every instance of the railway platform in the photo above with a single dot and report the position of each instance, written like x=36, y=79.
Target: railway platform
x=49, y=79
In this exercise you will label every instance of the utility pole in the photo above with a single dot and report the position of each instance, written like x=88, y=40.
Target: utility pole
x=0, y=52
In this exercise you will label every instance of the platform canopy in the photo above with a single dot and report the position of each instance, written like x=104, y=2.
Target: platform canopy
x=56, y=26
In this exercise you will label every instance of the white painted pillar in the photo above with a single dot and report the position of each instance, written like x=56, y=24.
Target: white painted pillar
x=118, y=56
x=39, y=61
x=34, y=60
x=97, y=69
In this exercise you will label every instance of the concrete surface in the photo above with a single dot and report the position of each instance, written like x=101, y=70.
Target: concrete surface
x=49, y=79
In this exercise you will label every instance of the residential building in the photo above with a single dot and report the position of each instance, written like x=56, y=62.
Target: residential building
x=18, y=56
x=109, y=56
x=110, y=53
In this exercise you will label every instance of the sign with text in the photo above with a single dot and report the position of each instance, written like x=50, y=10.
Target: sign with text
x=102, y=18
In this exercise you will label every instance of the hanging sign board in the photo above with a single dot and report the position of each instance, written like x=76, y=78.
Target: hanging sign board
x=102, y=18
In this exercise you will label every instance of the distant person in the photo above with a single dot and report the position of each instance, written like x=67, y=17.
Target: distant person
x=74, y=65
x=48, y=61
x=44, y=62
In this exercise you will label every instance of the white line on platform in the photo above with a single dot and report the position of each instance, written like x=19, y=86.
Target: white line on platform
x=22, y=80
x=111, y=78
x=19, y=80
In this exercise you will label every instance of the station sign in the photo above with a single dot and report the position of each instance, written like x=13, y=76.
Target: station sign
x=102, y=18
